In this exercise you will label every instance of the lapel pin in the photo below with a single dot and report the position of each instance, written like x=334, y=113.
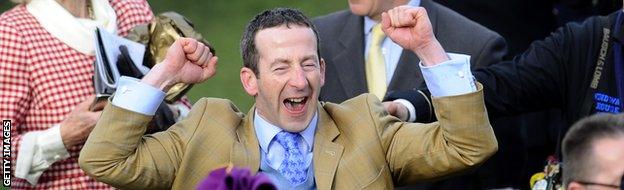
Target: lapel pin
x=332, y=153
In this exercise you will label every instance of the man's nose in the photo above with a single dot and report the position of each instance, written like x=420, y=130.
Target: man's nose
x=298, y=79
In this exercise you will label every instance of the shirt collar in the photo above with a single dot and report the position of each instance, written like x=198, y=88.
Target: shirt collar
x=369, y=23
x=266, y=131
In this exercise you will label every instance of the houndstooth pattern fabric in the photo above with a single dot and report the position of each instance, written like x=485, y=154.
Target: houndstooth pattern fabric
x=42, y=80
x=293, y=167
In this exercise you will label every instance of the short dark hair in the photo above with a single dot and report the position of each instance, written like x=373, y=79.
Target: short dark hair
x=268, y=19
x=578, y=143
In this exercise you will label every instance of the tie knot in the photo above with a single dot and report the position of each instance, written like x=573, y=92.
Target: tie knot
x=288, y=140
x=377, y=35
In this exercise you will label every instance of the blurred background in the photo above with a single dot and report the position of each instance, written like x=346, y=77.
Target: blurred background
x=222, y=23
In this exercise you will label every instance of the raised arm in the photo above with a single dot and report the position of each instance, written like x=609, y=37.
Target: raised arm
x=540, y=78
x=117, y=153
x=463, y=137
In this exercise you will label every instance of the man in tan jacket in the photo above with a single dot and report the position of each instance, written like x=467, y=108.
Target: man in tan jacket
x=298, y=142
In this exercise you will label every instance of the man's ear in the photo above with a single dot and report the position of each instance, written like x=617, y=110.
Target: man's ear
x=322, y=64
x=249, y=80
x=575, y=186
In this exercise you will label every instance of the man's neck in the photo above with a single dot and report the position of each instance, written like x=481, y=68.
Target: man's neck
x=395, y=3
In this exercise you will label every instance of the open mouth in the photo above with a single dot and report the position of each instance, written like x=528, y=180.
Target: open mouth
x=295, y=105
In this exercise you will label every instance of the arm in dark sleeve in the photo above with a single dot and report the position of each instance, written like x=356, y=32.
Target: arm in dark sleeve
x=532, y=81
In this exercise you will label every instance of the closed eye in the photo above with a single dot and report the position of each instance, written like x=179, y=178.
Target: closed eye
x=280, y=69
x=309, y=66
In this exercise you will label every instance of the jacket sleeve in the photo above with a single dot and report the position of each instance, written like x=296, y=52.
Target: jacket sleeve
x=534, y=80
x=461, y=139
x=118, y=154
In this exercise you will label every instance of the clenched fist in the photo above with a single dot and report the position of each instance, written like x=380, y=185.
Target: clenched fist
x=411, y=29
x=187, y=61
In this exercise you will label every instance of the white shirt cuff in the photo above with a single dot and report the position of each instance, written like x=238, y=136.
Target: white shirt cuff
x=410, y=109
x=450, y=78
x=38, y=151
x=138, y=97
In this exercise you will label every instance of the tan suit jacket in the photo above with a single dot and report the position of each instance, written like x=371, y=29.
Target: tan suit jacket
x=357, y=145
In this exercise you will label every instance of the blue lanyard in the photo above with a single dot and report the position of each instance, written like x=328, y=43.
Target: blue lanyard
x=619, y=63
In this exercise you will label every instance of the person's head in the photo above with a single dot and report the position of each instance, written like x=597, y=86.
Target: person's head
x=593, y=153
x=373, y=8
x=282, y=68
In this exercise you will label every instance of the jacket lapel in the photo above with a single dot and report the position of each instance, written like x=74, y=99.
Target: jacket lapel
x=432, y=13
x=349, y=62
x=406, y=71
x=246, y=152
x=326, y=153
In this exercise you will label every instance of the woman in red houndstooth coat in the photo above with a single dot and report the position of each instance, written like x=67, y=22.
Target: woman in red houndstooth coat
x=46, y=68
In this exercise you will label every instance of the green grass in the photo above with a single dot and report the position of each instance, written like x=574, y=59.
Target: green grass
x=222, y=23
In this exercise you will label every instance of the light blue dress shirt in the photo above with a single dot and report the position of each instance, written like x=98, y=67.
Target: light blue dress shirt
x=450, y=78
x=272, y=152
x=139, y=97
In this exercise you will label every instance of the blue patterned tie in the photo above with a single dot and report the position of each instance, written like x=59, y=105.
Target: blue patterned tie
x=293, y=167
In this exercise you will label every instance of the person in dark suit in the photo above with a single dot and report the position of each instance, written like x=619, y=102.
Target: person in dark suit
x=343, y=46
x=346, y=46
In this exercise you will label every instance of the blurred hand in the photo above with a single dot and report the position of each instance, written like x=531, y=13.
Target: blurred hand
x=79, y=123
x=396, y=109
x=187, y=61
x=411, y=29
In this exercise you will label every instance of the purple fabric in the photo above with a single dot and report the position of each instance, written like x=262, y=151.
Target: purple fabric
x=236, y=179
